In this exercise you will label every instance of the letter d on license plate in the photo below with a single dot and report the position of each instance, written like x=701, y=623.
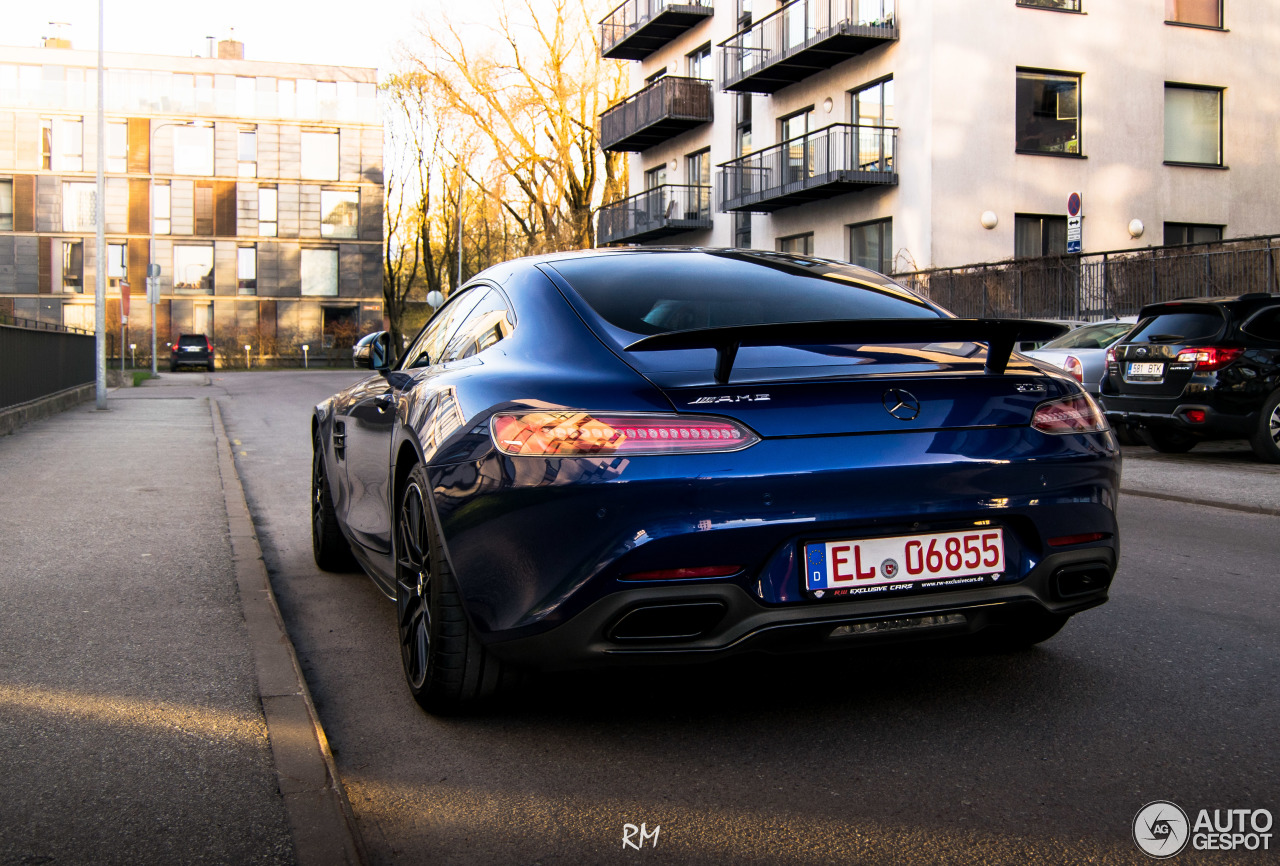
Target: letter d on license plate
x=903, y=558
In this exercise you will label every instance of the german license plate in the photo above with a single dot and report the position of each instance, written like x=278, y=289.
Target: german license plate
x=1146, y=371
x=903, y=559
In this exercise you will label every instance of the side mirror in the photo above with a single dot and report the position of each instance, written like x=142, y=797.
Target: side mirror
x=375, y=354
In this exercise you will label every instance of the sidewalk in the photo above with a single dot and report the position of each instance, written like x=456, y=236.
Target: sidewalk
x=137, y=654
x=1218, y=474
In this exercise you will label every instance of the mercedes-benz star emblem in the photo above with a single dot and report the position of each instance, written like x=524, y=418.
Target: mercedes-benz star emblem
x=901, y=404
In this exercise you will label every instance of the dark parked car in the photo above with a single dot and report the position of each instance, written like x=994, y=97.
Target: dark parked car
x=659, y=455
x=1203, y=368
x=192, y=350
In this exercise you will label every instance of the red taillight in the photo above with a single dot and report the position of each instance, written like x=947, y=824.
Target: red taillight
x=1076, y=414
x=1065, y=540
x=685, y=573
x=582, y=434
x=1073, y=366
x=1209, y=357
x=1195, y=416
x=1111, y=355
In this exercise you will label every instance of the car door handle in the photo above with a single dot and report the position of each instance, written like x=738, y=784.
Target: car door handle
x=384, y=402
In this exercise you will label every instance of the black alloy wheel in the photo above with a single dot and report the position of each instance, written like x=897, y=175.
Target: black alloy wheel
x=1266, y=438
x=328, y=546
x=446, y=666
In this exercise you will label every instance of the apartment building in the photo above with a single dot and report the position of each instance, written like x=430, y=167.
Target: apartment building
x=255, y=186
x=907, y=134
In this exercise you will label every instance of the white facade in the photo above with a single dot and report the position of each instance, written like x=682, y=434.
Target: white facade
x=955, y=69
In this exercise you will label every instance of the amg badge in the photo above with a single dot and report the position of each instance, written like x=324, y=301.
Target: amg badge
x=738, y=398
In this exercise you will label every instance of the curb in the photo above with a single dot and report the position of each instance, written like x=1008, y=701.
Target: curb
x=320, y=817
x=1205, y=503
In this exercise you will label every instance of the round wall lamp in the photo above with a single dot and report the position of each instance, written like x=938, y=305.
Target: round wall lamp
x=1136, y=228
x=827, y=105
x=989, y=219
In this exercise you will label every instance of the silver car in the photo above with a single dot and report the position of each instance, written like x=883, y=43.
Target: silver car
x=1083, y=352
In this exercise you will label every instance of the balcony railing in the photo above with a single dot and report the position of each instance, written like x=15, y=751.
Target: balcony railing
x=638, y=28
x=827, y=162
x=664, y=210
x=661, y=111
x=802, y=38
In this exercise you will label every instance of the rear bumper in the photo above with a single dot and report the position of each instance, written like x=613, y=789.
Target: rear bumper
x=732, y=623
x=1174, y=414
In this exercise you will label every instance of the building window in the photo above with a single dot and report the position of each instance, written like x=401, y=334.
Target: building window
x=204, y=209
x=699, y=63
x=655, y=177
x=871, y=245
x=1192, y=125
x=247, y=153
x=795, y=129
x=62, y=144
x=72, y=266
x=799, y=244
x=698, y=173
x=1039, y=235
x=117, y=147
x=193, y=269
x=117, y=263
x=267, y=211
x=339, y=213
x=1048, y=112
x=193, y=150
x=1199, y=13
x=247, y=270
x=79, y=206
x=742, y=230
x=743, y=130
x=1060, y=5
x=161, y=209
x=320, y=155
x=1191, y=233
x=320, y=273
x=657, y=76
x=873, y=111
x=6, y=204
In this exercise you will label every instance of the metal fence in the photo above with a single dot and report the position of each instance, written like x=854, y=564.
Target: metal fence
x=632, y=14
x=666, y=209
x=1102, y=285
x=41, y=360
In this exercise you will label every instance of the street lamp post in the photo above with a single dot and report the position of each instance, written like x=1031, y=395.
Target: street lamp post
x=247, y=365
x=305, y=356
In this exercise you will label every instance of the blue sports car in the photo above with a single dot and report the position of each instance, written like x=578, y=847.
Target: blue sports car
x=660, y=455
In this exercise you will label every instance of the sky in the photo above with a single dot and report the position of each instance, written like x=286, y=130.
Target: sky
x=363, y=33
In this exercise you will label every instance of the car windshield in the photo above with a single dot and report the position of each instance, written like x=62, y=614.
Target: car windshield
x=191, y=341
x=676, y=291
x=1198, y=324
x=1098, y=336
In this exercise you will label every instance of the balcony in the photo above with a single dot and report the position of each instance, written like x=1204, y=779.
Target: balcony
x=825, y=163
x=802, y=38
x=661, y=111
x=656, y=213
x=638, y=28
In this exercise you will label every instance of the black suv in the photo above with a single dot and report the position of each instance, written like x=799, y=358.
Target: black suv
x=1196, y=369
x=192, y=350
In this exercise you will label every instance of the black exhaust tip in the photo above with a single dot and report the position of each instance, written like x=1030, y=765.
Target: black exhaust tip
x=681, y=621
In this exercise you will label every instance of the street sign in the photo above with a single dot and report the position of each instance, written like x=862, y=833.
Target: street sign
x=153, y=290
x=124, y=301
x=1073, y=205
x=153, y=270
x=1074, y=234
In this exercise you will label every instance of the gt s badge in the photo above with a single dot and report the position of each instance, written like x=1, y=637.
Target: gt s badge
x=1031, y=388
x=738, y=398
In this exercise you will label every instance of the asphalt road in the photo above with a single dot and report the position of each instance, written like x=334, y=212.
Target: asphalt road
x=1166, y=693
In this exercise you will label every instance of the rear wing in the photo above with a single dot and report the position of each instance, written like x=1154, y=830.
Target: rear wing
x=1000, y=335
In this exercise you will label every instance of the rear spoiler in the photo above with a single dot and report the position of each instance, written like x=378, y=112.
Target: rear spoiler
x=1000, y=335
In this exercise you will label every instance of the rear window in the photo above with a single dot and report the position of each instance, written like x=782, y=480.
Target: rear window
x=1090, y=336
x=1199, y=324
x=193, y=341
x=660, y=292
x=1265, y=325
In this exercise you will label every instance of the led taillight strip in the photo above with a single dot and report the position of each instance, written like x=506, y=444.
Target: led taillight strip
x=581, y=434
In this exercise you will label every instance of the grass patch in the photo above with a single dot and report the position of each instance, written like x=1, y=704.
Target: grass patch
x=140, y=376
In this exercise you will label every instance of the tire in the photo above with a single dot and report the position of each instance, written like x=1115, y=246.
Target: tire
x=1168, y=441
x=1266, y=437
x=446, y=667
x=331, y=550
x=1125, y=435
x=210, y=366
x=173, y=368
x=1024, y=633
